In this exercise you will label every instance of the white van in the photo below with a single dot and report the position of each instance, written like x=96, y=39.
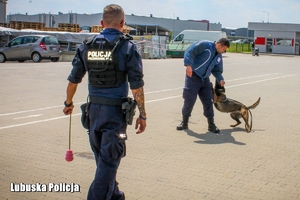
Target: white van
x=190, y=36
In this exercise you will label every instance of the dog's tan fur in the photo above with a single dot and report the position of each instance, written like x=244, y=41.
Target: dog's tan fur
x=236, y=109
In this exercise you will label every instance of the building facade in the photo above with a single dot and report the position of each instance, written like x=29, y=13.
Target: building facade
x=238, y=32
x=281, y=38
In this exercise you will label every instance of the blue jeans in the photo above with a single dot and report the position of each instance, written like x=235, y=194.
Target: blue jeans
x=106, y=125
x=194, y=86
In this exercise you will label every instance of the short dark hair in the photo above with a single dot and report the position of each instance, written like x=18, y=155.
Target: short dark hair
x=224, y=42
x=113, y=14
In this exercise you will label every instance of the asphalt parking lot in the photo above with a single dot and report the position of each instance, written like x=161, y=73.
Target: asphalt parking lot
x=161, y=163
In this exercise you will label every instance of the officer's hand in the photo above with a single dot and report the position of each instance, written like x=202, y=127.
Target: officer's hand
x=140, y=125
x=189, y=71
x=222, y=83
x=68, y=110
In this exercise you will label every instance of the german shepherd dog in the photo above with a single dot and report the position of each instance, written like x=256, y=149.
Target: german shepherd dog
x=236, y=109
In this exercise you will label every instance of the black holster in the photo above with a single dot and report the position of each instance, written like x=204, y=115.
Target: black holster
x=85, y=119
x=128, y=107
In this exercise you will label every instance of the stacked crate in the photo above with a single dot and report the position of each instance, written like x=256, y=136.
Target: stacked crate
x=26, y=25
x=126, y=29
x=34, y=25
x=96, y=29
x=67, y=27
x=17, y=25
x=49, y=29
x=6, y=25
x=99, y=28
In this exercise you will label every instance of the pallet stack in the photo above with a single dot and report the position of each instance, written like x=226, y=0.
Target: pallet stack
x=96, y=29
x=26, y=25
x=49, y=29
x=126, y=29
x=5, y=25
x=67, y=27
x=34, y=25
x=99, y=28
x=17, y=25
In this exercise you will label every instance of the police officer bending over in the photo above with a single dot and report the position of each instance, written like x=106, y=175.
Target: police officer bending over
x=110, y=60
x=202, y=59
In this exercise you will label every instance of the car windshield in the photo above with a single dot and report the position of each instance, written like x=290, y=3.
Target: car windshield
x=50, y=40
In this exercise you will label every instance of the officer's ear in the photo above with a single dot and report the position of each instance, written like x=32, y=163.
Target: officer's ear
x=102, y=23
x=122, y=23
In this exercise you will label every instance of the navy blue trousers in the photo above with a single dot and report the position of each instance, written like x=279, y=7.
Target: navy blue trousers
x=106, y=125
x=194, y=86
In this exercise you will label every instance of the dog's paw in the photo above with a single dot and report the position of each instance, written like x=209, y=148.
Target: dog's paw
x=234, y=125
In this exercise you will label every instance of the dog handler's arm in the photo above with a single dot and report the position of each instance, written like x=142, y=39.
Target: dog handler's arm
x=139, y=97
x=71, y=89
x=217, y=72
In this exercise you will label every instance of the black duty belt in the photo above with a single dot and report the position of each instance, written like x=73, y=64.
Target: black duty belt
x=106, y=101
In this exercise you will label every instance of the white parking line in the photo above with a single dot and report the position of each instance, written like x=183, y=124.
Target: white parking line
x=250, y=77
x=35, y=122
x=260, y=81
x=162, y=99
x=33, y=110
x=29, y=116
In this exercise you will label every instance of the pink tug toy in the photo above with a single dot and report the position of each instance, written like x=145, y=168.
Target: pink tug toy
x=69, y=154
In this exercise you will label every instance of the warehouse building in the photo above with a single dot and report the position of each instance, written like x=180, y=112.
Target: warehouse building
x=280, y=38
x=142, y=24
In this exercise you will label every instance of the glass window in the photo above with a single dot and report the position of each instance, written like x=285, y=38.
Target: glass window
x=50, y=40
x=28, y=40
x=283, y=42
x=16, y=41
x=35, y=38
x=179, y=37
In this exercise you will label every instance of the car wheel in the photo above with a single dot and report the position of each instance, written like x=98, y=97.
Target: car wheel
x=54, y=59
x=36, y=57
x=2, y=58
x=20, y=61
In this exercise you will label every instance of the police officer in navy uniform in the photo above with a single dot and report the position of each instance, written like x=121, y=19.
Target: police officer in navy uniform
x=110, y=60
x=201, y=59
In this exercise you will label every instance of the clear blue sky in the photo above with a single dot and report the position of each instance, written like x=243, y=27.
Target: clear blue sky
x=230, y=13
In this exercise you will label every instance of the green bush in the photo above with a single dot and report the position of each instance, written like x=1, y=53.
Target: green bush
x=239, y=47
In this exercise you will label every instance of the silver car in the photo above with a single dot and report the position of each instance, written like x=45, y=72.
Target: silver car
x=31, y=47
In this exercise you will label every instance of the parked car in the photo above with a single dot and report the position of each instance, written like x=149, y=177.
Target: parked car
x=85, y=29
x=31, y=47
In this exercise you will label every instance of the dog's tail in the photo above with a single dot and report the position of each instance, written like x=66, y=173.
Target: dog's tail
x=255, y=104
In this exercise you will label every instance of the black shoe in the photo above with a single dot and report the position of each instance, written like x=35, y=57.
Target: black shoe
x=182, y=126
x=213, y=128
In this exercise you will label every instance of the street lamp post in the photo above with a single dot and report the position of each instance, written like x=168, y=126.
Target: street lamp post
x=268, y=15
x=173, y=27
